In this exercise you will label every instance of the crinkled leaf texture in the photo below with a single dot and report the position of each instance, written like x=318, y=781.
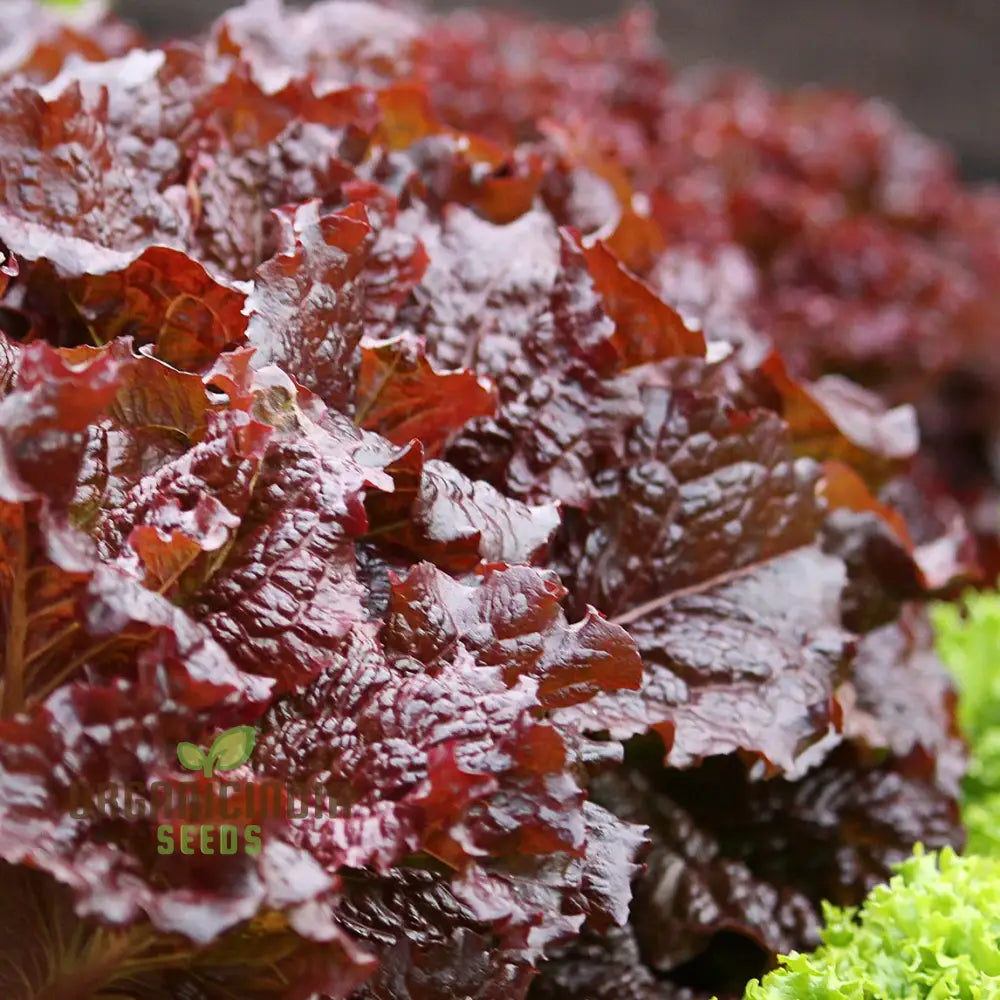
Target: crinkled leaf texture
x=429, y=402
x=932, y=931
x=968, y=638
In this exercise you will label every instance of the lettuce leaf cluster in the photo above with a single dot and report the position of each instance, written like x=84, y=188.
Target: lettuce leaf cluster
x=932, y=931
x=410, y=391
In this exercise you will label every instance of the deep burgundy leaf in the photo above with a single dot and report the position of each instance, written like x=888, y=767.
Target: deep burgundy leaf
x=429, y=944
x=905, y=700
x=706, y=489
x=62, y=610
x=43, y=420
x=689, y=891
x=440, y=515
x=159, y=422
x=152, y=101
x=532, y=321
x=287, y=594
x=396, y=263
x=497, y=650
x=551, y=440
x=527, y=633
x=835, y=419
x=604, y=967
x=460, y=400
x=236, y=192
x=732, y=668
x=508, y=301
x=838, y=831
x=203, y=492
x=884, y=565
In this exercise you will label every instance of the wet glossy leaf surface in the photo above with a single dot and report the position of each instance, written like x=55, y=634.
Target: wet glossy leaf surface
x=462, y=404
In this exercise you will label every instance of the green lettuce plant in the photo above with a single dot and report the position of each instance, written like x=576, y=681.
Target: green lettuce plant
x=933, y=931
x=969, y=642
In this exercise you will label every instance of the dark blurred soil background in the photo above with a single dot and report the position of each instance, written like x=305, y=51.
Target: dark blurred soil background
x=939, y=60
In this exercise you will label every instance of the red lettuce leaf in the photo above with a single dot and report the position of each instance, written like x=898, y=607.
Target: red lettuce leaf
x=646, y=328
x=730, y=668
x=402, y=396
x=355, y=364
x=438, y=514
x=76, y=210
x=306, y=308
x=166, y=299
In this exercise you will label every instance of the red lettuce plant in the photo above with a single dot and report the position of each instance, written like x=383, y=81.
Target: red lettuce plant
x=415, y=399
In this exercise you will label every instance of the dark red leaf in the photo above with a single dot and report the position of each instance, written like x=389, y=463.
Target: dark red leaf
x=527, y=633
x=306, y=308
x=429, y=943
x=884, y=565
x=396, y=263
x=287, y=593
x=68, y=196
x=42, y=423
x=689, y=891
x=730, y=668
x=436, y=513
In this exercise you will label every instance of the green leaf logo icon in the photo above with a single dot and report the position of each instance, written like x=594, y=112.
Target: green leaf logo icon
x=190, y=756
x=229, y=750
x=232, y=748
